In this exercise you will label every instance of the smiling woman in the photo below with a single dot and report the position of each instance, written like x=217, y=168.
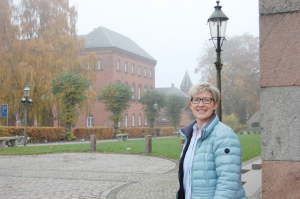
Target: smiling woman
x=211, y=160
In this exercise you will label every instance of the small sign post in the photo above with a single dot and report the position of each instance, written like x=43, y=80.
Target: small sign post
x=4, y=112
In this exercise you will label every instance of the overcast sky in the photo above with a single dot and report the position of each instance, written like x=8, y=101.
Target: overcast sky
x=171, y=31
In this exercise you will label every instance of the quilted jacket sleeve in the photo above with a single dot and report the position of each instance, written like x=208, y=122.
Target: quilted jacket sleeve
x=228, y=160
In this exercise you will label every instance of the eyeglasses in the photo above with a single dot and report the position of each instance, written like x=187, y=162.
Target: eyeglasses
x=205, y=100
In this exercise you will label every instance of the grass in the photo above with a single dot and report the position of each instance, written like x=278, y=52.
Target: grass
x=165, y=147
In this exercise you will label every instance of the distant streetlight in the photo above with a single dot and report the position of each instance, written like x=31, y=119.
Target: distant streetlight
x=217, y=24
x=155, y=108
x=27, y=102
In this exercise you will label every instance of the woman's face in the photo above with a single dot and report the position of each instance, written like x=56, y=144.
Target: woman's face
x=201, y=111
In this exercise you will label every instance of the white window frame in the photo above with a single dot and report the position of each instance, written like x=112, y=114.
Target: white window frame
x=146, y=120
x=118, y=65
x=150, y=73
x=88, y=65
x=90, y=120
x=139, y=92
x=132, y=90
x=125, y=67
x=139, y=70
x=132, y=120
x=99, y=64
x=140, y=120
x=145, y=72
x=132, y=69
x=126, y=120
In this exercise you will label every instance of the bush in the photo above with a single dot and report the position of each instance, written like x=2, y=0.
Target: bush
x=232, y=122
x=35, y=133
x=137, y=132
x=101, y=132
x=255, y=130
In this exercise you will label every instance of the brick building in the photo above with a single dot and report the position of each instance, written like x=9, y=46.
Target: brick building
x=280, y=98
x=119, y=60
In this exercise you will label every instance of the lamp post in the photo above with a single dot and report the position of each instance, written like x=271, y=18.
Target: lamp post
x=27, y=102
x=155, y=108
x=217, y=24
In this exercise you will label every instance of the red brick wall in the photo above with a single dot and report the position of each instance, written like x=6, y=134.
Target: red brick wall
x=109, y=73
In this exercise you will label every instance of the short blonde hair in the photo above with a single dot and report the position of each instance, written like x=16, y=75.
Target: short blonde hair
x=204, y=86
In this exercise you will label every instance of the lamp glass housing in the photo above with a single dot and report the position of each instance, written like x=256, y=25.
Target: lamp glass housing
x=218, y=27
x=26, y=91
x=155, y=106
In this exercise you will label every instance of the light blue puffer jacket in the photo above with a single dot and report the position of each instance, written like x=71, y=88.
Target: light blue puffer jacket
x=217, y=164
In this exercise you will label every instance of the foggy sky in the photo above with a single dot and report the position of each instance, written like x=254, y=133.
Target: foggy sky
x=171, y=31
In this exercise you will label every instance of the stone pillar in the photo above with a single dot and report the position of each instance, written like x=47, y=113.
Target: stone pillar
x=280, y=97
x=93, y=139
x=14, y=143
x=182, y=141
x=2, y=143
x=148, y=144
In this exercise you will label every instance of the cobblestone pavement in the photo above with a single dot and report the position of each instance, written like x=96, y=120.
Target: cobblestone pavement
x=87, y=175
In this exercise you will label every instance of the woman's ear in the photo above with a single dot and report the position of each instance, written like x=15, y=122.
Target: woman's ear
x=190, y=105
x=216, y=105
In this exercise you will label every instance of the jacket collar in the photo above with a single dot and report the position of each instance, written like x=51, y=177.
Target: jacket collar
x=187, y=131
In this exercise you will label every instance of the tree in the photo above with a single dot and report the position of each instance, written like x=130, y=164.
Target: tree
x=116, y=97
x=149, y=98
x=174, y=108
x=240, y=74
x=39, y=40
x=71, y=89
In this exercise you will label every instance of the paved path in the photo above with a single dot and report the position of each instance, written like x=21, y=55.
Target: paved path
x=87, y=175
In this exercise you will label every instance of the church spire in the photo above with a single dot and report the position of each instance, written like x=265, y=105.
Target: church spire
x=186, y=82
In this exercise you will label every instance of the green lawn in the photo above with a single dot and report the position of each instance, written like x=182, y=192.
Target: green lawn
x=164, y=147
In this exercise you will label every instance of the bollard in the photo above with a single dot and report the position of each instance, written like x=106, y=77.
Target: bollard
x=93, y=139
x=148, y=144
x=182, y=140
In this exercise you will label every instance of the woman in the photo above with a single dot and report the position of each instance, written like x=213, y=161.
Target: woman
x=211, y=159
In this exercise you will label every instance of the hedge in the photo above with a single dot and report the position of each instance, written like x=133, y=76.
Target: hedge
x=101, y=132
x=35, y=133
x=137, y=132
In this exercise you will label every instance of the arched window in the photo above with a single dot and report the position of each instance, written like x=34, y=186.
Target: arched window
x=91, y=85
x=145, y=120
x=139, y=92
x=132, y=69
x=140, y=120
x=118, y=65
x=151, y=88
x=132, y=120
x=99, y=64
x=145, y=88
x=126, y=119
x=119, y=123
x=125, y=67
x=145, y=72
x=126, y=83
x=90, y=120
x=139, y=70
x=132, y=90
x=150, y=73
x=88, y=65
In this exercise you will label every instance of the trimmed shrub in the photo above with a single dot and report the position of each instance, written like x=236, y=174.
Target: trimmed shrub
x=35, y=133
x=101, y=132
x=167, y=131
x=137, y=132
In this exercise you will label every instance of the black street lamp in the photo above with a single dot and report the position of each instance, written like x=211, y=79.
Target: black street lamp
x=155, y=108
x=27, y=102
x=217, y=24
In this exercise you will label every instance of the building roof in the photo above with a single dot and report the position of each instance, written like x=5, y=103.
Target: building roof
x=186, y=82
x=102, y=37
x=171, y=90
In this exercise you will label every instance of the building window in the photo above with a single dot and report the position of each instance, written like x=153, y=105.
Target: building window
x=132, y=90
x=150, y=73
x=145, y=88
x=145, y=72
x=90, y=120
x=139, y=92
x=91, y=85
x=119, y=123
x=164, y=118
x=132, y=69
x=145, y=120
x=126, y=119
x=118, y=65
x=139, y=70
x=132, y=120
x=99, y=64
x=125, y=67
x=140, y=120
x=88, y=65
x=151, y=88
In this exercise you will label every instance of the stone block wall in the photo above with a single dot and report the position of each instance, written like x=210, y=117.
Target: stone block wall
x=280, y=97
